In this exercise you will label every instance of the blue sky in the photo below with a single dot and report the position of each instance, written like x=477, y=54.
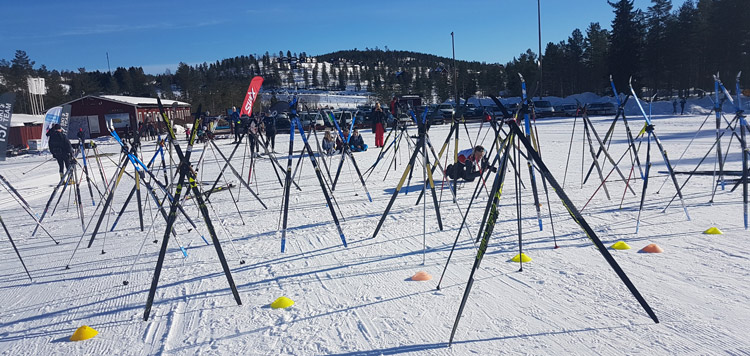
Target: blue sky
x=159, y=34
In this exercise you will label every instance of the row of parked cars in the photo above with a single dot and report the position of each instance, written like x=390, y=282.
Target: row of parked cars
x=437, y=114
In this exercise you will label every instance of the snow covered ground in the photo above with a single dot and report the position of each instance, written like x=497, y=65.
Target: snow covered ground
x=359, y=300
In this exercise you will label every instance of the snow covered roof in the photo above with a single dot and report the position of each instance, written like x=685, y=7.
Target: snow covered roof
x=18, y=120
x=135, y=100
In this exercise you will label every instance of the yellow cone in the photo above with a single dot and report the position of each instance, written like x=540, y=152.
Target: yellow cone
x=713, y=231
x=282, y=303
x=620, y=245
x=83, y=333
x=521, y=258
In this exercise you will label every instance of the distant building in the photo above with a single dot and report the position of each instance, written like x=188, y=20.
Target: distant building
x=95, y=113
x=23, y=128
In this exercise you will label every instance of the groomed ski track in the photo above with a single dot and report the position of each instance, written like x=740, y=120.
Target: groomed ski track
x=358, y=300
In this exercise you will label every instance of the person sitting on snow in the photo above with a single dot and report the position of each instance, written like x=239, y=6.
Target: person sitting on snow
x=328, y=143
x=471, y=164
x=357, y=144
x=340, y=142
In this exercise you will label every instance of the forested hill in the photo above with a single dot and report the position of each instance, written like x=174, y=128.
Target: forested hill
x=670, y=51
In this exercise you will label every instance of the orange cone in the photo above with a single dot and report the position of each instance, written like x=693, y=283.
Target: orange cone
x=421, y=276
x=652, y=248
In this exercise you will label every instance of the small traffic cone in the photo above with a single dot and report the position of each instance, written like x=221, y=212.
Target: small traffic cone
x=83, y=333
x=713, y=231
x=521, y=257
x=282, y=303
x=620, y=245
x=651, y=248
x=421, y=276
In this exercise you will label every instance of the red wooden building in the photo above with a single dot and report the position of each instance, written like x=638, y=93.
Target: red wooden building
x=24, y=128
x=95, y=113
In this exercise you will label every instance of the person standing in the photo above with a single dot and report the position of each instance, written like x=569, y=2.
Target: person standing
x=674, y=107
x=378, y=118
x=60, y=147
x=394, y=107
x=682, y=105
x=270, y=123
x=252, y=131
x=236, y=124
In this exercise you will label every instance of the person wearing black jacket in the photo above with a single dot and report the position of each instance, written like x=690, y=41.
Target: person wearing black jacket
x=378, y=119
x=60, y=147
x=270, y=123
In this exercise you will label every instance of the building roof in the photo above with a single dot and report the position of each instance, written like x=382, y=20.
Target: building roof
x=132, y=100
x=141, y=101
x=18, y=120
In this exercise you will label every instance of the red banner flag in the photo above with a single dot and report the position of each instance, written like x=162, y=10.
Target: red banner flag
x=252, y=93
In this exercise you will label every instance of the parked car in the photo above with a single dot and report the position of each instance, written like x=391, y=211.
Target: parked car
x=310, y=118
x=282, y=122
x=435, y=116
x=569, y=109
x=512, y=108
x=347, y=117
x=601, y=109
x=543, y=108
x=447, y=110
x=405, y=119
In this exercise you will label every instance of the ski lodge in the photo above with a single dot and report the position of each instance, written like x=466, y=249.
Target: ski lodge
x=95, y=113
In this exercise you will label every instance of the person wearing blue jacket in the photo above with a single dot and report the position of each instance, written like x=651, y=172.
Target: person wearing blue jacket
x=236, y=124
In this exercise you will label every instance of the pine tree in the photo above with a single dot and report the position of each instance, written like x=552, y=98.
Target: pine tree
x=625, y=45
x=343, y=77
x=315, y=82
x=596, y=57
x=324, y=77
x=290, y=78
x=658, y=19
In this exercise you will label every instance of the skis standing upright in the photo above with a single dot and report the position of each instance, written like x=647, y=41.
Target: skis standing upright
x=532, y=175
x=650, y=131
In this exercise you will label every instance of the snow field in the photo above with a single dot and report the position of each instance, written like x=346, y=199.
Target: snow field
x=358, y=300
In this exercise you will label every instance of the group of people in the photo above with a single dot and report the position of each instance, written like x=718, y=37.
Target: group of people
x=254, y=126
x=147, y=130
x=355, y=143
x=682, y=106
